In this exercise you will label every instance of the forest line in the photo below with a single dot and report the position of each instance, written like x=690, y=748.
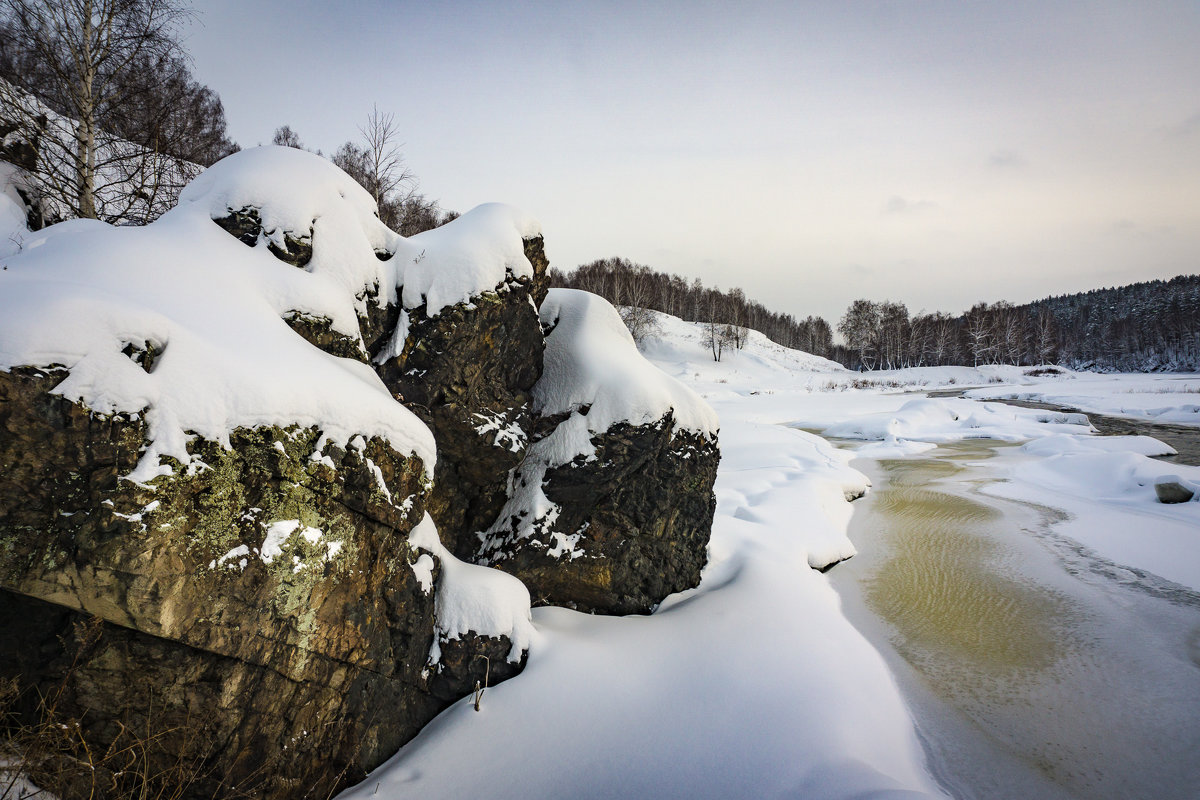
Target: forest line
x=1140, y=327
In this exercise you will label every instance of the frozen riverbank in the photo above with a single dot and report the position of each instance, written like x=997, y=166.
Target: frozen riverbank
x=1034, y=668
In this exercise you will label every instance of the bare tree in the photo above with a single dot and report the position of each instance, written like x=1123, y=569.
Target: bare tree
x=386, y=171
x=1045, y=337
x=980, y=333
x=286, y=137
x=378, y=166
x=84, y=53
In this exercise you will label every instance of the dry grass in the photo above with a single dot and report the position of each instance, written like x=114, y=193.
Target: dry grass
x=50, y=752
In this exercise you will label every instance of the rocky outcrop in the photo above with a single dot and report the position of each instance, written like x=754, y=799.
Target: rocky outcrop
x=270, y=593
x=467, y=372
x=607, y=542
x=231, y=554
x=1171, y=489
x=234, y=508
x=612, y=507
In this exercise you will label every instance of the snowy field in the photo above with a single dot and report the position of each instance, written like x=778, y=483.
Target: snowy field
x=755, y=684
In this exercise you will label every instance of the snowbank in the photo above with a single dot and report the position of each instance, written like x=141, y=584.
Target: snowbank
x=927, y=421
x=1171, y=399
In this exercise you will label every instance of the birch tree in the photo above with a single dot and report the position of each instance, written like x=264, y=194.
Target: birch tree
x=82, y=56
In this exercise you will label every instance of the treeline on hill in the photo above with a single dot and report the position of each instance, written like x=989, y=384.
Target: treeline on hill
x=1140, y=327
x=728, y=314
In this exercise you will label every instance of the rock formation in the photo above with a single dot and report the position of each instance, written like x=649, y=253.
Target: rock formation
x=219, y=530
x=586, y=525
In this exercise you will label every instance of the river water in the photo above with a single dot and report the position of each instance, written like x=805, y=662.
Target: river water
x=1033, y=669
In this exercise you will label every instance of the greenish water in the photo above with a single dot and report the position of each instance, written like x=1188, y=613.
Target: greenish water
x=941, y=586
x=1033, y=670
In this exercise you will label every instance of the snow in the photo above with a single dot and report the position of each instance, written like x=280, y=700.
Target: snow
x=13, y=230
x=298, y=192
x=471, y=598
x=1108, y=494
x=593, y=373
x=1171, y=399
x=592, y=362
x=931, y=421
x=473, y=254
x=751, y=685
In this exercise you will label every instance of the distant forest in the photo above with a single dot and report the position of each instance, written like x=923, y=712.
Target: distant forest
x=624, y=283
x=1142, y=327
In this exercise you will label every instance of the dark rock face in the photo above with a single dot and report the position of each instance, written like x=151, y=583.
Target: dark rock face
x=467, y=372
x=631, y=525
x=535, y=251
x=245, y=225
x=319, y=332
x=472, y=659
x=267, y=594
x=20, y=148
x=210, y=725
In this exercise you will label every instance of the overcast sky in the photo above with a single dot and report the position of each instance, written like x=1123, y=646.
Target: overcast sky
x=937, y=153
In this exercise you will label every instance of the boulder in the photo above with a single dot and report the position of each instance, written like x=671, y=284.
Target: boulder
x=466, y=369
x=1171, y=489
x=270, y=595
x=612, y=507
x=606, y=541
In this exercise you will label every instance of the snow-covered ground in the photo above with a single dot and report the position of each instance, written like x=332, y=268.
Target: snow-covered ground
x=755, y=684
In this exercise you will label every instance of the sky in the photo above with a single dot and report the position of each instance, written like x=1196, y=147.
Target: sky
x=933, y=153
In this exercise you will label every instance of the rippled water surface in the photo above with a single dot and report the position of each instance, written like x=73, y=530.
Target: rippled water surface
x=1034, y=670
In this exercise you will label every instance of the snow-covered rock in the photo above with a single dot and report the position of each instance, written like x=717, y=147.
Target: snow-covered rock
x=257, y=438
x=588, y=524
x=239, y=506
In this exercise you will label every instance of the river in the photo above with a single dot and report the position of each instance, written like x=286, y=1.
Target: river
x=1184, y=438
x=1032, y=668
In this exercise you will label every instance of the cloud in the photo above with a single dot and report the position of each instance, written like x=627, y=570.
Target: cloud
x=1006, y=159
x=899, y=205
